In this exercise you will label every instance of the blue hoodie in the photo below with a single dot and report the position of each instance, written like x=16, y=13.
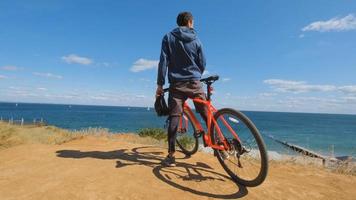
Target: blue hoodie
x=182, y=53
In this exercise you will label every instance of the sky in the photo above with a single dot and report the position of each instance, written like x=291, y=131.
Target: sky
x=288, y=56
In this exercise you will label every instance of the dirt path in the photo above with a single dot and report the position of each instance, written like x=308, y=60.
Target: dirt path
x=100, y=168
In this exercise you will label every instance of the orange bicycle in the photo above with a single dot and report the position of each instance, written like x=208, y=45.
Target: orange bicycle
x=235, y=140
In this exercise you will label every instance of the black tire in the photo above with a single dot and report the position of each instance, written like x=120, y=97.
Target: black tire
x=186, y=140
x=245, y=159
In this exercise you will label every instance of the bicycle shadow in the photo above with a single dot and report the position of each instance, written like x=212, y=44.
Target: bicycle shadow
x=174, y=176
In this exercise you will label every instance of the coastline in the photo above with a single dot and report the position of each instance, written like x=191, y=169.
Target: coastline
x=13, y=135
x=318, y=132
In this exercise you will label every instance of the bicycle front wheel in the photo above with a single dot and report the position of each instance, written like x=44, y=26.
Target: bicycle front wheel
x=246, y=159
x=186, y=135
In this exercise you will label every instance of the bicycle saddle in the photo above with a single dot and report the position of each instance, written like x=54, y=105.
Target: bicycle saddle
x=210, y=79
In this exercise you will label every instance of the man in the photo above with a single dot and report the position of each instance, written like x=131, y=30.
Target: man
x=182, y=54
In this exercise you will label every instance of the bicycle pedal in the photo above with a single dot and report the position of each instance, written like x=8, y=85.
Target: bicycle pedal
x=198, y=133
x=182, y=130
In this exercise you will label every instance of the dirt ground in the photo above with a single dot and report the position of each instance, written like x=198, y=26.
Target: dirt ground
x=102, y=168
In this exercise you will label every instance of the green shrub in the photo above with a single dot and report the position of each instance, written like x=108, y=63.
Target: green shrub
x=156, y=133
x=186, y=141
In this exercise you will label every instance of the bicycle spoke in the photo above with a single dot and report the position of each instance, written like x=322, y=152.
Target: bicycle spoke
x=245, y=162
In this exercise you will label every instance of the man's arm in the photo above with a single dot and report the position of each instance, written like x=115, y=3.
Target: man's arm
x=201, y=56
x=162, y=66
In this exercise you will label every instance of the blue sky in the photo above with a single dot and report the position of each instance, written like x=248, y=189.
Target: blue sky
x=297, y=56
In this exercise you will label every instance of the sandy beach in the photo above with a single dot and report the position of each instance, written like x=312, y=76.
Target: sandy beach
x=124, y=167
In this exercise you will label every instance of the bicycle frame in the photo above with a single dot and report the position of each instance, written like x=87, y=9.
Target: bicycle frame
x=210, y=121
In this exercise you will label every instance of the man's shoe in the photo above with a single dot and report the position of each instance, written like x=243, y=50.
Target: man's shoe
x=169, y=161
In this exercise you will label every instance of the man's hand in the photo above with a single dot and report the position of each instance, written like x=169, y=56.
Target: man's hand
x=159, y=90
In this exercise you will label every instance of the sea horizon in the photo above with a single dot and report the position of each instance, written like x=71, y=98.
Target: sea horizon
x=152, y=107
x=322, y=133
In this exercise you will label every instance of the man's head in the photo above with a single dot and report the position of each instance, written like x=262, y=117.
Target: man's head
x=185, y=19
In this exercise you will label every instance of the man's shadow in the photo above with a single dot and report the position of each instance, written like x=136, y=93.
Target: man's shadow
x=147, y=156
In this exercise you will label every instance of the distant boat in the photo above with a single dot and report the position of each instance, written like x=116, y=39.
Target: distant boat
x=128, y=108
x=148, y=108
x=16, y=105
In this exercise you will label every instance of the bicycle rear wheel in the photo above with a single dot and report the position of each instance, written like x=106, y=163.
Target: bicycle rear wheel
x=246, y=159
x=186, y=135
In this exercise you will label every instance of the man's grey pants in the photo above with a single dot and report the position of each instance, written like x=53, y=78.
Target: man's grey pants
x=178, y=94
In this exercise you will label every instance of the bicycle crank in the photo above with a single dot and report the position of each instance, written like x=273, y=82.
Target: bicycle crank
x=237, y=150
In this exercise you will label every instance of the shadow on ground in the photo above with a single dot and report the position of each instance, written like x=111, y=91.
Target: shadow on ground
x=175, y=176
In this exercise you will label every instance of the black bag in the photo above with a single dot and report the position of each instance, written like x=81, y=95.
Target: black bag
x=161, y=106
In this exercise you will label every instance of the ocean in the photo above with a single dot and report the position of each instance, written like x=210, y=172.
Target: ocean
x=322, y=133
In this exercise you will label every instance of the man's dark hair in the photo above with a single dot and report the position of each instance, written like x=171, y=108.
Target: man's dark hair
x=183, y=18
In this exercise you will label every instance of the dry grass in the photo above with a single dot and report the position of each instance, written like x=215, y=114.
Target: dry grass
x=339, y=167
x=343, y=167
x=12, y=135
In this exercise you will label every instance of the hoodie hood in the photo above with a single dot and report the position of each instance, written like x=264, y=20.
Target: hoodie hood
x=184, y=34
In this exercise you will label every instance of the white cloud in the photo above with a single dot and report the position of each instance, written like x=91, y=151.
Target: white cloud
x=348, y=89
x=42, y=89
x=104, y=64
x=75, y=59
x=144, y=64
x=302, y=86
x=267, y=94
x=291, y=103
x=335, y=24
x=47, y=75
x=140, y=96
x=11, y=68
x=99, y=97
x=3, y=77
x=22, y=92
x=14, y=87
x=297, y=86
x=63, y=96
x=226, y=79
x=351, y=100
